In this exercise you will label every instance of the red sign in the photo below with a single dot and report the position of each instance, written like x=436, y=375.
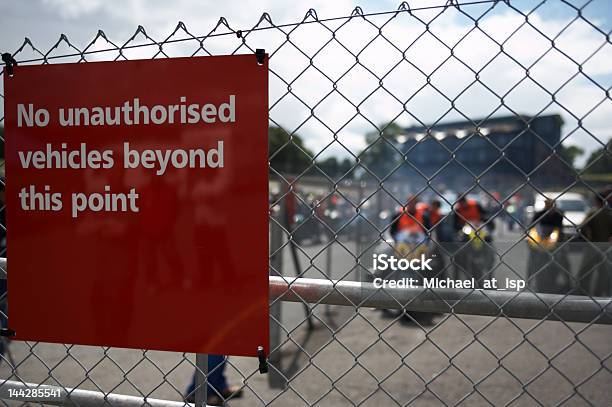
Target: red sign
x=137, y=197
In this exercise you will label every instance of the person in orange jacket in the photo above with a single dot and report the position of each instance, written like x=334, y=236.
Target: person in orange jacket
x=411, y=218
x=435, y=216
x=469, y=211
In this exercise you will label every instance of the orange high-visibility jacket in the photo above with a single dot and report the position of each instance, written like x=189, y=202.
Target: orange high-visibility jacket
x=434, y=216
x=412, y=222
x=470, y=212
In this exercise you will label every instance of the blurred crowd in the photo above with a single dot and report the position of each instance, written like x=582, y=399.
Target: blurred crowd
x=568, y=234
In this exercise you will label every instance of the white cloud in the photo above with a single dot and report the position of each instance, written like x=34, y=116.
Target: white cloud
x=73, y=9
x=367, y=104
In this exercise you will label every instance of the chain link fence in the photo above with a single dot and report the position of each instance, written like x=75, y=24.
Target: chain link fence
x=380, y=124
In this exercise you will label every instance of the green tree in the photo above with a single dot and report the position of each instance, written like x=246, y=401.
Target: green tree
x=288, y=153
x=600, y=160
x=380, y=157
x=345, y=166
x=569, y=154
x=329, y=166
x=334, y=168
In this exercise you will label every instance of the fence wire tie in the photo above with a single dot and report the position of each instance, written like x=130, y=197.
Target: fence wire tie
x=260, y=54
x=7, y=332
x=263, y=360
x=10, y=62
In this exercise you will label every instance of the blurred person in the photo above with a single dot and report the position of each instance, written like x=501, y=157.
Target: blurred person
x=410, y=218
x=512, y=209
x=319, y=207
x=471, y=213
x=217, y=388
x=548, y=267
x=434, y=212
x=473, y=255
x=410, y=231
x=594, y=274
x=438, y=230
x=496, y=198
x=435, y=218
x=468, y=211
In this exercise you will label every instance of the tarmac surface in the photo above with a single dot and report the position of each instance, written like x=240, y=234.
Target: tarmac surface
x=370, y=361
x=362, y=357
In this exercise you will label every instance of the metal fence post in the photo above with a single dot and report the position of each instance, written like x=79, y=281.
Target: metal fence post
x=201, y=390
x=276, y=380
x=328, y=273
x=359, y=230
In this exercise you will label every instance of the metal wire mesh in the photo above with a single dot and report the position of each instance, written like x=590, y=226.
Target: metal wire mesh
x=477, y=99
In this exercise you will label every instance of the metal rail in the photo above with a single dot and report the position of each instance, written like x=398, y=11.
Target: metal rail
x=527, y=305
x=569, y=308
